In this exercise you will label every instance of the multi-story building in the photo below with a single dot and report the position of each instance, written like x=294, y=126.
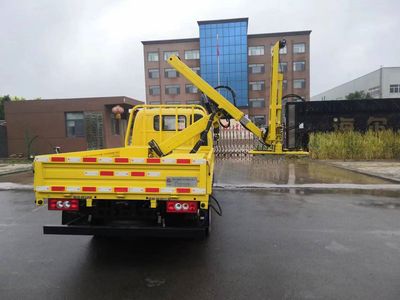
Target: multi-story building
x=381, y=83
x=225, y=54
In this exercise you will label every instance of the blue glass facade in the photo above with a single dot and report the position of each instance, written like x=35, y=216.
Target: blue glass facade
x=231, y=38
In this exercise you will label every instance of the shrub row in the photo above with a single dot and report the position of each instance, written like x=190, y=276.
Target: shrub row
x=355, y=145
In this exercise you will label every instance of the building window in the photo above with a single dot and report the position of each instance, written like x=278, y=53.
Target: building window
x=257, y=102
x=283, y=67
x=192, y=54
x=167, y=54
x=154, y=73
x=299, y=48
x=169, y=123
x=233, y=50
x=152, y=56
x=75, y=124
x=284, y=84
x=191, y=89
x=171, y=73
x=172, y=89
x=196, y=69
x=256, y=85
x=154, y=90
x=259, y=120
x=394, y=88
x=256, y=68
x=256, y=50
x=115, y=128
x=299, y=66
x=299, y=83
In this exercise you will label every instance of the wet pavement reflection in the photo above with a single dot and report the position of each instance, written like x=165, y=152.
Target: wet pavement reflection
x=280, y=170
x=263, y=172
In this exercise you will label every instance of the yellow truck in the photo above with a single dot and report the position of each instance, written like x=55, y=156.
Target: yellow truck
x=159, y=183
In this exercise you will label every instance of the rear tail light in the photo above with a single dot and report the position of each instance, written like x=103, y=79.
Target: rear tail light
x=63, y=204
x=182, y=207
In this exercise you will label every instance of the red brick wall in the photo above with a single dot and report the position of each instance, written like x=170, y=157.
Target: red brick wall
x=46, y=119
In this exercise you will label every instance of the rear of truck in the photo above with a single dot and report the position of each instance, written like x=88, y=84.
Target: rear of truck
x=129, y=191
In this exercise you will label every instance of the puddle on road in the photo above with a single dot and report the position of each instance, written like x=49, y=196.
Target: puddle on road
x=264, y=170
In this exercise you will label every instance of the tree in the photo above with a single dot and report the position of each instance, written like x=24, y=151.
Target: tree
x=5, y=99
x=358, y=95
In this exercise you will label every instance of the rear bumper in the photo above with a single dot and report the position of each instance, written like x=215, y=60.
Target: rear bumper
x=133, y=231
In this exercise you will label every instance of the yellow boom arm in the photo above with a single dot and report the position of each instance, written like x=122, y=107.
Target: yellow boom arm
x=214, y=95
x=275, y=100
x=198, y=127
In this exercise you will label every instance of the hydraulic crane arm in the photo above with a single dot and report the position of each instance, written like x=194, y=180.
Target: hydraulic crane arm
x=203, y=125
x=220, y=101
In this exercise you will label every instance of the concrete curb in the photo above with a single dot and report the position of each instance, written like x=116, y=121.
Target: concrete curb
x=372, y=174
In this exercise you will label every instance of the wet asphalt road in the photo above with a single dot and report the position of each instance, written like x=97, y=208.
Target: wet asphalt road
x=268, y=245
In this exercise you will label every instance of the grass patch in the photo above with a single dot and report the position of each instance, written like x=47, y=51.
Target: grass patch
x=355, y=145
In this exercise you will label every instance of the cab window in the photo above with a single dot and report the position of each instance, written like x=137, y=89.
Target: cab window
x=169, y=123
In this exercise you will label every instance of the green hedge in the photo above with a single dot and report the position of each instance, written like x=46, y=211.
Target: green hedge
x=355, y=145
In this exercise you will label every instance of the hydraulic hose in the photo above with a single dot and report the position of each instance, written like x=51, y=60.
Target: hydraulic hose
x=211, y=107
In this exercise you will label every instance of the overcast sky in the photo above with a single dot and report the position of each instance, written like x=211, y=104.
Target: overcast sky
x=78, y=48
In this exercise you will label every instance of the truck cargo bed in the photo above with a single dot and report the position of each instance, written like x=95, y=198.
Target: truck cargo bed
x=105, y=174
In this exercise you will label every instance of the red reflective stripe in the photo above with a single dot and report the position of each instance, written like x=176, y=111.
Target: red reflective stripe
x=106, y=173
x=58, y=188
x=183, y=190
x=153, y=160
x=88, y=189
x=58, y=159
x=183, y=161
x=137, y=173
x=152, y=190
x=121, y=160
x=121, y=189
x=89, y=159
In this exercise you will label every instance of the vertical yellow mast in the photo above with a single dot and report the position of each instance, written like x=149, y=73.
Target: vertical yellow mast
x=275, y=128
x=275, y=101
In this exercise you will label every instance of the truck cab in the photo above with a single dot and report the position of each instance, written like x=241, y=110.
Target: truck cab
x=163, y=122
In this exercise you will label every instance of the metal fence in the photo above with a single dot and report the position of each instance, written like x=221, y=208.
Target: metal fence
x=234, y=141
